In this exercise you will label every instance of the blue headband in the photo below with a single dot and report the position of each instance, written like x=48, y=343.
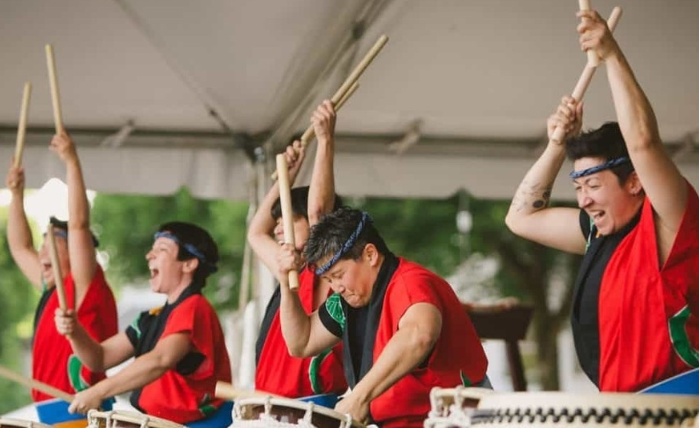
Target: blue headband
x=365, y=220
x=60, y=233
x=597, y=168
x=191, y=249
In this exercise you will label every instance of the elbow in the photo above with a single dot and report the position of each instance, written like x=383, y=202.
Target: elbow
x=79, y=223
x=315, y=212
x=512, y=223
x=297, y=352
x=423, y=342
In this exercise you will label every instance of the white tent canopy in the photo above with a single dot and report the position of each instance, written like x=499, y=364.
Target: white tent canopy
x=196, y=87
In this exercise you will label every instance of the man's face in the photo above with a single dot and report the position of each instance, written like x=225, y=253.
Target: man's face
x=301, y=232
x=352, y=279
x=62, y=253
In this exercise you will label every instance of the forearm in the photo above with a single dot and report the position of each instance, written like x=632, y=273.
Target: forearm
x=19, y=235
x=296, y=324
x=534, y=191
x=405, y=351
x=140, y=372
x=89, y=351
x=78, y=206
x=321, y=195
x=635, y=115
x=261, y=228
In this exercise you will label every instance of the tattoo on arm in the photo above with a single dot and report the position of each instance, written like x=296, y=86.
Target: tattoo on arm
x=531, y=197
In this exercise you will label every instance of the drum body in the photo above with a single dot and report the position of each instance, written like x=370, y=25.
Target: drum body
x=608, y=410
x=271, y=412
x=453, y=407
x=18, y=423
x=124, y=419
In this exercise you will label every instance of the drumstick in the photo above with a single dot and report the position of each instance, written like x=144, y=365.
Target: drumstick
x=35, y=384
x=592, y=58
x=354, y=76
x=310, y=131
x=55, y=95
x=226, y=391
x=287, y=213
x=22, y=128
x=586, y=76
x=58, y=278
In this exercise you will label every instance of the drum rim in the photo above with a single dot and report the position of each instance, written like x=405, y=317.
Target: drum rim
x=133, y=418
x=23, y=422
x=298, y=405
x=605, y=399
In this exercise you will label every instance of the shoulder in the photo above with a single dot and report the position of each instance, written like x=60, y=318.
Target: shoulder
x=415, y=283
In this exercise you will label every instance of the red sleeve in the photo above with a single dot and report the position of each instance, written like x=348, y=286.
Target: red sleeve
x=411, y=287
x=183, y=318
x=192, y=318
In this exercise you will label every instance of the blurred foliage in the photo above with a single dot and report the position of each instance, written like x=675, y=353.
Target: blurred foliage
x=18, y=299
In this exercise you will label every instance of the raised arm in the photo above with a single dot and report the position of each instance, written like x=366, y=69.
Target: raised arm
x=321, y=194
x=661, y=180
x=418, y=331
x=96, y=356
x=262, y=225
x=305, y=335
x=83, y=260
x=529, y=215
x=19, y=235
x=142, y=371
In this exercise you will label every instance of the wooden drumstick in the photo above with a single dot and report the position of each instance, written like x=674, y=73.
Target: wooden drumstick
x=351, y=80
x=359, y=69
x=226, y=391
x=310, y=131
x=55, y=265
x=592, y=58
x=55, y=94
x=22, y=128
x=35, y=384
x=287, y=213
x=586, y=76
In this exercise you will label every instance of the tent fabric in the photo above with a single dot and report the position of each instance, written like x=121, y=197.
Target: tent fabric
x=204, y=84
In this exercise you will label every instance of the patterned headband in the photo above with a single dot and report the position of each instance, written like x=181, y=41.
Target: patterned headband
x=365, y=220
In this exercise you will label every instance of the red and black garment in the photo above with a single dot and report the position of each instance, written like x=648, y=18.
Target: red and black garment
x=184, y=393
x=281, y=374
x=456, y=359
x=53, y=361
x=636, y=323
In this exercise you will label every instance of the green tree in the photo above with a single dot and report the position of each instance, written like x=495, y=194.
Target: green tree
x=17, y=301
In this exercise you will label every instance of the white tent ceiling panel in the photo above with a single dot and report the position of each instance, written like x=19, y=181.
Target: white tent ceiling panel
x=463, y=70
x=208, y=173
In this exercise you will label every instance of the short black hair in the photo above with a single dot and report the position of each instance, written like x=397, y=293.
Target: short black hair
x=299, y=203
x=605, y=142
x=333, y=231
x=63, y=225
x=201, y=240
